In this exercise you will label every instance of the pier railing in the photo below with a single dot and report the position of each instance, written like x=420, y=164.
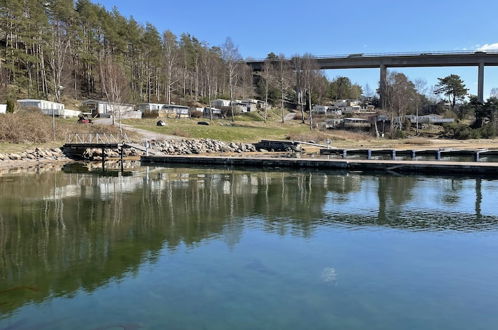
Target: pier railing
x=86, y=138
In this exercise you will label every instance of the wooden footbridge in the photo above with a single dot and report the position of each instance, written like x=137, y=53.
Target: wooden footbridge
x=77, y=143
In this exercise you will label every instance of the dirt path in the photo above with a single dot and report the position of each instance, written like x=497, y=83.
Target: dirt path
x=146, y=135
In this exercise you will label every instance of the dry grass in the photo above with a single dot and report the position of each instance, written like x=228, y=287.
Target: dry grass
x=316, y=136
x=179, y=132
x=31, y=126
x=417, y=141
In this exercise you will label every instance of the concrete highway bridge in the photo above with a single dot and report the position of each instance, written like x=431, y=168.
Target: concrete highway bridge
x=479, y=59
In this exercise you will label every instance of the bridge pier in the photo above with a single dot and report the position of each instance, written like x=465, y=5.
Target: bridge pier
x=382, y=85
x=480, y=82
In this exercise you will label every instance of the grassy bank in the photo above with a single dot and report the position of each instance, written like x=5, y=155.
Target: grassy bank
x=26, y=130
x=224, y=130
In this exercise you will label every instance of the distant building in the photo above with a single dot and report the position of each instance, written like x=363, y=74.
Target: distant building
x=351, y=109
x=48, y=107
x=3, y=108
x=250, y=104
x=106, y=109
x=320, y=109
x=429, y=119
x=220, y=103
x=216, y=113
x=174, y=111
x=494, y=92
x=150, y=106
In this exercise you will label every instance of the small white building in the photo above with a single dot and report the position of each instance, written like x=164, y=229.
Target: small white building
x=3, y=108
x=220, y=103
x=47, y=107
x=320, y=109
x=216, y=113
x=106, y=109
x=150, y=106
x=68, y=113
x=174, y=111
x=250, y=104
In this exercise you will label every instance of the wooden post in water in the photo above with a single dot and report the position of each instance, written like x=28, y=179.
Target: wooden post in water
x=438, y=154
x=393, y=154
x=121, y=151
x=477, y=156
x=369, y=154
x=344, y=153
x=103, y=158
x=413, y=154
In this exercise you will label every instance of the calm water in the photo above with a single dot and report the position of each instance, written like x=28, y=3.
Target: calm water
x=179, y=248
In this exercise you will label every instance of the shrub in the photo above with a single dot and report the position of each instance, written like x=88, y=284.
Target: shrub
x=196, y=114
x=11, y=106
x=463, y=131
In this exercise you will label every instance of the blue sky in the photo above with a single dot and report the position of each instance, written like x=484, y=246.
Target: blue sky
x=322, y=27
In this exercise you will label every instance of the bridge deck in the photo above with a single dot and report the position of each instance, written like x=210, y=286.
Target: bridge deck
x=366, y=61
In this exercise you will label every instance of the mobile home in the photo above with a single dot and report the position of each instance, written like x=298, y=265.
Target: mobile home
x=174, y=111
x=47, y=107
x=106, y=109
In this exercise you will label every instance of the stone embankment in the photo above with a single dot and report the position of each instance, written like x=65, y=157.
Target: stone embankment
x=155, y=147
x=189, y=147
x=175, y=147
x=35, y=154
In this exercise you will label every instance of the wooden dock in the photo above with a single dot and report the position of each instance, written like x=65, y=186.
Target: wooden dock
x=438, y=154
x=423, y=167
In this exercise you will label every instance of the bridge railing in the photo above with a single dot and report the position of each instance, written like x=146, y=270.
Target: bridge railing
x=84, y=138
x=420, y=53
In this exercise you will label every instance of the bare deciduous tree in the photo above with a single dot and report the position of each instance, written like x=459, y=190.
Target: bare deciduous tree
x=114, y=85
x=400, y=94
x=170, y=57
x=231, y=56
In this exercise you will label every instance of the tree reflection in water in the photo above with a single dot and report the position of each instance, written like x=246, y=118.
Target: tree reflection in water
x=70, y=232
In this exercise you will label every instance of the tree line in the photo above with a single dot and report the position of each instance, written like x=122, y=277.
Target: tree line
x=51, y=48
x=79, y=49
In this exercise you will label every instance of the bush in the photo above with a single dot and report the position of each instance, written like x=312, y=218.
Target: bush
x=11, y=106
x=398, y=134
x=464, y=132
x=196, y=114
x=150, y=114
x=299, y=116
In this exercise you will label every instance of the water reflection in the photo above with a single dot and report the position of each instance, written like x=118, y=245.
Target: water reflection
x=62, y=233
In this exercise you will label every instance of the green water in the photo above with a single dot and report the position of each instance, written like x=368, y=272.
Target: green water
x=199, y=248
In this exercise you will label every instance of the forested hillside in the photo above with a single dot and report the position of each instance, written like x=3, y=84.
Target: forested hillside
x=55, y=48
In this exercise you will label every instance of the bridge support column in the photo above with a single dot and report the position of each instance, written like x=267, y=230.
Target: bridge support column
x=382, y=86
x=480, y=83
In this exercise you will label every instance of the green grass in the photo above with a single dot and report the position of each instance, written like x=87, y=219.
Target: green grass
x=224, y=130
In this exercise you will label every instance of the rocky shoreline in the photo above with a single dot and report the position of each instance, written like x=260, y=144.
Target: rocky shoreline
x=174, y=147
x=52, y=154
x=155, y=147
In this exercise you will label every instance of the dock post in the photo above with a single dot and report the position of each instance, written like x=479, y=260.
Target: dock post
x=393, y=154
x=344, y=153
x=477, y=156
x=438, y=155
x=414, y=155
x=121, y=151
x=369, y=154
x=103, y=158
